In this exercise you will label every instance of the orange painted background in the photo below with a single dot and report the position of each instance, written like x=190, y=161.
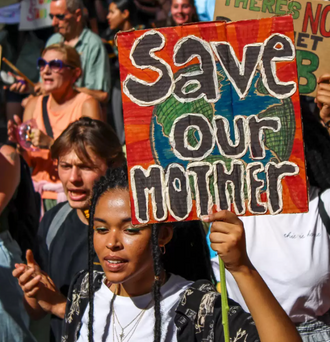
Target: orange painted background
x=138, y=119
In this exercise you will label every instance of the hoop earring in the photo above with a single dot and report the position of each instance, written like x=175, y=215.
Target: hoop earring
x=162, y=249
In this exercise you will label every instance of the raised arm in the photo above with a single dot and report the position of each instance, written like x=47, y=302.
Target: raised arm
x=323, y=99
x=228, y=240
x=9, y=174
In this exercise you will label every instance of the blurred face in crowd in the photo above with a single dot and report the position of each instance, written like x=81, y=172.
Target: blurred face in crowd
x=182, y=11
x=63, y=21
x=78, y=177
x=57, y=77
x=117, y=18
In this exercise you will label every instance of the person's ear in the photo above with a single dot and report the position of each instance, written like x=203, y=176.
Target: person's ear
x=125, y=14
x=165, y=234
x=77, y=73
x=79, y=14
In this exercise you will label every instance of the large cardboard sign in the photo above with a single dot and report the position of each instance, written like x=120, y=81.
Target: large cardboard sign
x=312, y=31
x=35, y=14
x=212, y=118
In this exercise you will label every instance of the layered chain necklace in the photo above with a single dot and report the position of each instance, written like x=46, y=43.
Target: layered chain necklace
x=123, y=336
x=126, y=336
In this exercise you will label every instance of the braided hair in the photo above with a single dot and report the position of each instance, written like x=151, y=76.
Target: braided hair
x=187, y=254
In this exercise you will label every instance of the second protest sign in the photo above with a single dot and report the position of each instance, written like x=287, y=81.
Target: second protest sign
x=312, y=31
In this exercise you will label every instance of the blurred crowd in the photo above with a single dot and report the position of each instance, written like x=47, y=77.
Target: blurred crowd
x=90, y=27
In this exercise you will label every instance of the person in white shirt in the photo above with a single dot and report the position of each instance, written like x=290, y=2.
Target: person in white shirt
x=292, y=254
x=136, y=299
x=292, y=251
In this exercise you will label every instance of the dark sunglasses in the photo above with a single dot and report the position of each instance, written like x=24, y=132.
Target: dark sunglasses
x=55, y=65
x=57, y=16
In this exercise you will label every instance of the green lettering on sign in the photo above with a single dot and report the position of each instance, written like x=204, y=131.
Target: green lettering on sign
x=294, y=8
x=278, y=8
x=267, y=5
x=253, y=6
x=306, y=71
x=244, y=2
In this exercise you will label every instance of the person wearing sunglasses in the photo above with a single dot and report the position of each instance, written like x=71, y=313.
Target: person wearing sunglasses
x=59, y=68
x=68, y=22
x=69, y=25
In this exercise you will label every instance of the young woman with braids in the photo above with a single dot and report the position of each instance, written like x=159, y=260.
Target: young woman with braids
x=137, y=299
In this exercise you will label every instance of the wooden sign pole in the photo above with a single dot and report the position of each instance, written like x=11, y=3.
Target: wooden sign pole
x=12, y=66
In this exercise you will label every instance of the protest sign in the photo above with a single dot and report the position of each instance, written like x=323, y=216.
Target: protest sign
x=35, y=14
x=10, y=14
x=212, y=118
x=311, y=25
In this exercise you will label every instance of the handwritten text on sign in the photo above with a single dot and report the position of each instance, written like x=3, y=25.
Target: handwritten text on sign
x=35, y=14
x=312, y=31
x=198, y=156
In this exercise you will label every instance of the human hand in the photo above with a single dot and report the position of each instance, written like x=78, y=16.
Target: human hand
x=37, y=284
x=20, y=86
x=39, y=89
x=323, y=97
x=23, y=87
x=228, y=240
x=11, y=128
x=40, y=139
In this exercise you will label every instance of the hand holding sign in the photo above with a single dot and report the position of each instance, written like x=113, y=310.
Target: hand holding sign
x=323, y=97
x=228, y=240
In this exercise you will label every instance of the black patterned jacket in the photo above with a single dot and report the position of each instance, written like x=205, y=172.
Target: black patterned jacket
x=198, y=315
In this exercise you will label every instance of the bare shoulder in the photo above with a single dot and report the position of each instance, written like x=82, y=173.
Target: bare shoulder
x=30, y=108
x=91, y=108
x=10, y=154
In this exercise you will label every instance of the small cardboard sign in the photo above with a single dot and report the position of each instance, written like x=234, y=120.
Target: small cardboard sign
x=35, y=14
x=312, y=31
x=10, y=14
x=212, y=119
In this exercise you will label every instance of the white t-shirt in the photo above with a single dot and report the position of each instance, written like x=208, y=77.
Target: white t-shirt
x=292, y=254
x=127, y=308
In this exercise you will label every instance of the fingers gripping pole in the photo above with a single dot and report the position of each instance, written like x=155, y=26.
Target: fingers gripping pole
x=12, y=66
x=224, y=300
